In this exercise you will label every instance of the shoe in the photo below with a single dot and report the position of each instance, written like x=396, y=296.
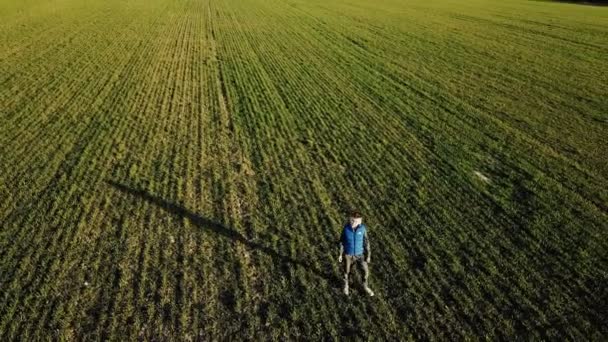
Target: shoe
x=346, y=290
x=369, y=291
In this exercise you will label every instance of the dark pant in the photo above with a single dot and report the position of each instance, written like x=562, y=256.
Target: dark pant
x=350, y=261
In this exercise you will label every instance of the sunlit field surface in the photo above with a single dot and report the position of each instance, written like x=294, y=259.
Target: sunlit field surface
x=181, y=170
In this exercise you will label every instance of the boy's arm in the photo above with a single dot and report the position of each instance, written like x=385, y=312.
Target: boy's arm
x=366, y=247
x=340, y=242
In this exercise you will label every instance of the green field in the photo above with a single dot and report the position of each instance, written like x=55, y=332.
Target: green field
x=181, y=169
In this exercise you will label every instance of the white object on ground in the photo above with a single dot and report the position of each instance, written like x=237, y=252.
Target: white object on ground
x=369, y=291
x=481, y=176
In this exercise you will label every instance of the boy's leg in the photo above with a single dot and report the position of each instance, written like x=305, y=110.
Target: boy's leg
x=365, y=271
x=347, y=265
x=366, y=276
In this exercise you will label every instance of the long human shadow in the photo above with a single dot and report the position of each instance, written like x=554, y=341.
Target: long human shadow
x=218, y=228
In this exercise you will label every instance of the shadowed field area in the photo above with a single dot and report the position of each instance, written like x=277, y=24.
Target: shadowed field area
x=181, y=170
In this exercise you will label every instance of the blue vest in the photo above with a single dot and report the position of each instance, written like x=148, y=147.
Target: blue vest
x=353, y=240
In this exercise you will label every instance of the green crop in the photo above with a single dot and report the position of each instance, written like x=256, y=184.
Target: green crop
x=181, y=170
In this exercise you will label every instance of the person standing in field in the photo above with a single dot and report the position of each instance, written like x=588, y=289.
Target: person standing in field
x=355, y=250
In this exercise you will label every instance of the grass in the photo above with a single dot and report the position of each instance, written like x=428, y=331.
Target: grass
x=181, y=169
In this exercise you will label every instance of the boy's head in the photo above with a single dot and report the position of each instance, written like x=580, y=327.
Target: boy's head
x=355, y=219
